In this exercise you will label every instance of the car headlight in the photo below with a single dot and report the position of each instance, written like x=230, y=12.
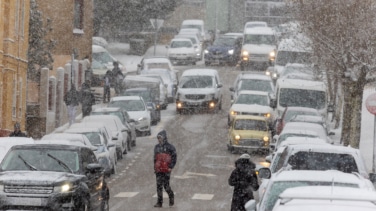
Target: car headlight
x=274, y=75
x=237, y=137
x=266, y=138
x=267, y=73
x=245, y=53
x=142, y=119
x=206, y=51
x=272, y=54
x=64, y=188
x=231, y=51
x=267, y=115
x=197, y=50
x=233, y=113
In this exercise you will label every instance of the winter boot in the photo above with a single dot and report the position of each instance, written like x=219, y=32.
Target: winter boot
x=171, y=202
x=158, y=204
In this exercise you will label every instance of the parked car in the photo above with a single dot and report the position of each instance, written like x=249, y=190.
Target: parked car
x=326, y=198
x=248, y=81
x=52, y=177
x=97, y=137
x=137, y=110
x=146, y=94
x=7, y=142
x=254, y=103
x=196, y=42
x=157, y=62
x=162, y=90
x=123, y=116
x=226, y=49
x=254, y=24
x=289, y=179
x=118, y=130
x=199, y=89
x=181, y=51
x=249, y=134
x=167, y=79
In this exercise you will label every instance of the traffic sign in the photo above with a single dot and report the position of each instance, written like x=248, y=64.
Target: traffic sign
x=156, y=23
x=371, y=103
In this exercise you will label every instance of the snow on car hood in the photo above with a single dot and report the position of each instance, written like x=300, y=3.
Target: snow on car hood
x=258, y=49
x=220, y=48
x=137, y=114
x=251, y=108
x=203, y=91
x=35, y=177
x=181, y=50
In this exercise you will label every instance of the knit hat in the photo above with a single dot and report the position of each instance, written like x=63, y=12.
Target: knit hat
x=245, y=156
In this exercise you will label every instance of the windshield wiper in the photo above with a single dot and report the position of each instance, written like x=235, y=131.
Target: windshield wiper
x=31, y=167
x=60, y=162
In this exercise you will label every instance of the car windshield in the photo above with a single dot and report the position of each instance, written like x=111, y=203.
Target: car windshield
x=40, y=160
x=94, y=138
x=271, y=196
x=191, y=26
x=181, y=44
x=290, y=114
x=259, y=39
x=197, y=81
x=129, y=105
x=285, y=57
x=250, y=99
x=224, y=41
x=256, y=85
x=145, y=94
x=250, y=124
x=322, y=161
x=283, y=137
x=157, y=66
x=302, y=98
x=103, y=57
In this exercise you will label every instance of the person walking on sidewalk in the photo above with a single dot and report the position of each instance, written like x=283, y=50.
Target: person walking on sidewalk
x=164, y=162
x=87, y=99
x=71, y=99
x=118, y=77
x=17, y=131
x=107, y=86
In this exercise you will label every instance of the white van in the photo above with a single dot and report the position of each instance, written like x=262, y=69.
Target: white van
x=301, y=93
x=259, y=46
x=196, y=24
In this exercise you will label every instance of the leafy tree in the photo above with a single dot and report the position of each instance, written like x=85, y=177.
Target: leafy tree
x=343, y=34
x=40, y=49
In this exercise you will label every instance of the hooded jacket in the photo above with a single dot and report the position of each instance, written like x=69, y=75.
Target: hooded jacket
x=242, y=178
x=164, y=155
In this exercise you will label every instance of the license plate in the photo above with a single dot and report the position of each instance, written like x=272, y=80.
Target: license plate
x=193, y=103
x=25, y=201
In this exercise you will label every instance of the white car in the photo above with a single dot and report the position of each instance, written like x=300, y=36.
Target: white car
x=137, y=110
x=326, y=198
x=199, y=89
x=248, y=81
x=162, y=90
x=196, y=42
x=254, y=103
x=289, y=179
x=106, y=149
x=167, y=79
x=320, y=130
x=7, y=142
x=119, y=131
x=182, y=50
x=253, y=24
x=159, y=63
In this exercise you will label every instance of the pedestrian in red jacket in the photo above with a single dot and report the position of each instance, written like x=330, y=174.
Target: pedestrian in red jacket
x=164, y=162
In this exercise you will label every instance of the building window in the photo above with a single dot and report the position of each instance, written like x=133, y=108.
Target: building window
x=78, y=14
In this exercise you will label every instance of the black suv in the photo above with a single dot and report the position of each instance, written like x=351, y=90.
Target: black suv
x=52, y=177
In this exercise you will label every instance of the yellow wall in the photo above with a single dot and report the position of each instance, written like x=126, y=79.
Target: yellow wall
x=14, y=31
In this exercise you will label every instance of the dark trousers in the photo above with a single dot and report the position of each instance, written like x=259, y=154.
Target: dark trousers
x=163, y=181
x=86, y=110
x=106, y=93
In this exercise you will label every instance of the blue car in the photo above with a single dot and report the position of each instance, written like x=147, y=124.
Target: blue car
x=226, y=49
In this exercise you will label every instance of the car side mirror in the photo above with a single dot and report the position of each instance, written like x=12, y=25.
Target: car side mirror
x=268, y=158
x=232, y=89
x=219, y=85
x=264, y=173
x=132, y=120
x=273, y=103
x=139, y=65
x=94, y=168
x=330, y=108
x=149, y=108
x=372, y=178
x=331, y=133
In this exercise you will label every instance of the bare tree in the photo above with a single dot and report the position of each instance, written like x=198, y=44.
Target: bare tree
x=343, y=35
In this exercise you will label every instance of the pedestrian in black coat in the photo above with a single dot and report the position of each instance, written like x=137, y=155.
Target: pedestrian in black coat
x=87, y=99
x=164, y=162
x=17, y=131
x=244, y=180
